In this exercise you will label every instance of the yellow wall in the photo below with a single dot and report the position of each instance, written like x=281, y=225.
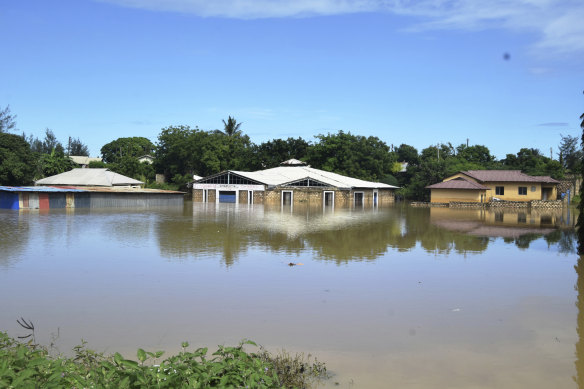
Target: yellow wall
x=512, y=191
x=462, y=195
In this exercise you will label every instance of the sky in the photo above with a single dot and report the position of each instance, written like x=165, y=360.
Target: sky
x=503, y=74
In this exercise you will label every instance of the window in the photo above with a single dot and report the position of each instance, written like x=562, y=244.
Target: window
x=500, y=190
x=286, y=197
x=499, y=216
x=521, y=217
x=358, y=199
x=523, y=190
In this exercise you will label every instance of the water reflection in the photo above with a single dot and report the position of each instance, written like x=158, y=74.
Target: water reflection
x=520, y=227
x=228, y=231
x=344, y=235
x=14, y=234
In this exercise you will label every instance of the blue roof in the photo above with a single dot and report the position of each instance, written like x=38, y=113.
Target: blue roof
x=38, y=189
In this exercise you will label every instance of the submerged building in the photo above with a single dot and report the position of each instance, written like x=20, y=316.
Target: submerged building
x=87, y=188
x=293, y=182
x=481, y=186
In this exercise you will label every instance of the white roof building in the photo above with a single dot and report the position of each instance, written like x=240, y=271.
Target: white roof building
x=89, y=177
x=293, y=181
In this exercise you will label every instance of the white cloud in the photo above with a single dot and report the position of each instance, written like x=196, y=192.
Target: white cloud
x=557, y=22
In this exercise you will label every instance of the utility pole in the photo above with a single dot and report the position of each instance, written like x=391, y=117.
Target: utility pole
x=466, y=142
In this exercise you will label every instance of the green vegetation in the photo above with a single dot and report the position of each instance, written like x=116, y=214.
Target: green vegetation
x=182, y=151
x=24, y=365
x=16, y=160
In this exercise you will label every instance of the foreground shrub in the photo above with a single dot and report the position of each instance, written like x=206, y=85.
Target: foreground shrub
x=25, y=365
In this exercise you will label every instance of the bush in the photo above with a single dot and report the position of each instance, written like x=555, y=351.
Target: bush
x=30, y=365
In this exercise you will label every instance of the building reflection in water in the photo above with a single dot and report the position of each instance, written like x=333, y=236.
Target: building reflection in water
x=342, y=235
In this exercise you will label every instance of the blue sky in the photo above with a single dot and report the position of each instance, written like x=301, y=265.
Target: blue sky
x=414, y=72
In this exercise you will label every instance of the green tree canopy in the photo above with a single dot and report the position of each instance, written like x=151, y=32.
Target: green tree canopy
x=570, y=153
x=531, y=161
x=407, y=153
x=271, y=153
x=135, y=147
x=76, y=147
x=367, y=158
x=16, y=160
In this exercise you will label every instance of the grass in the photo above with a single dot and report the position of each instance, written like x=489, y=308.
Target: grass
x=28, y=365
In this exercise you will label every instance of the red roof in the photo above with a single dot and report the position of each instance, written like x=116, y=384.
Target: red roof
x=457, y=183
x=507, y=176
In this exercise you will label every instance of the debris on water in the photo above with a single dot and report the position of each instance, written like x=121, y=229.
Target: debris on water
x=556, y=339
x=456, y=310
x=295, y=264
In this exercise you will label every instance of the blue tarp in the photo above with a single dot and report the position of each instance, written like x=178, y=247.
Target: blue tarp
x=37, y=189
x=8, y=200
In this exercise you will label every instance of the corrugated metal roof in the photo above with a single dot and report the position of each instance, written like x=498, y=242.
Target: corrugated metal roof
x=89, y=177
x=458, y=183
x=65, y=189
x=38, y=189
x=507, y=176
x=283, y=174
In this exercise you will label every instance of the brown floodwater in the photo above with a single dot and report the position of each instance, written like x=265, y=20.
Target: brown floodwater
x=395, y=297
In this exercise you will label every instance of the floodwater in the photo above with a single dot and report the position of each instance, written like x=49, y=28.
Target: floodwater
x=395, y=297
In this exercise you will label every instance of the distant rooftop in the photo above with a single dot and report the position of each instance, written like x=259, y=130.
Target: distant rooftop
x=507, y=176
x=458, y=183
x=293, y=162
x=83, y=160
x=89, y=177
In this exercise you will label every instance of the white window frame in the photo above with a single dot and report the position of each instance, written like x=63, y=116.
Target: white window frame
x=282, y=197
x=362, y=199
x=324, y=193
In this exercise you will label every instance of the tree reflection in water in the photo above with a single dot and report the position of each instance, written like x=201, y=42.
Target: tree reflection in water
x=344, y=235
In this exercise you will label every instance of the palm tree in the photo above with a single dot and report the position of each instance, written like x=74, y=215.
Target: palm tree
x=231, y=127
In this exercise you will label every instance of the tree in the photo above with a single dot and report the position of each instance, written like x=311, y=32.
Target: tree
x=475, y=154
x=183, y=151
x=231, y=127
x=580, y=223
x=570, y=153
x=7, y=122
x=407, y=153
x=271, y=153
x=367, y=158
x=55, y=162
x=50, y=143
x=76, y=147
x=16, y=160
x=135, y=147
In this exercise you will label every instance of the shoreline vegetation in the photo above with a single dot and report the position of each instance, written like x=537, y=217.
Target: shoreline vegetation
x=26, y=364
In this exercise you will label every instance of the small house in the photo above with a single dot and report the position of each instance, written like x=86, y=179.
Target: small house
x=482, y=186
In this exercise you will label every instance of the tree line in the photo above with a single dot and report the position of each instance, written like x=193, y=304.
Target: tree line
x=182, y=151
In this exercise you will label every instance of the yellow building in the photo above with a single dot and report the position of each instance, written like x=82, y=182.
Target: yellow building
x=480, y=186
